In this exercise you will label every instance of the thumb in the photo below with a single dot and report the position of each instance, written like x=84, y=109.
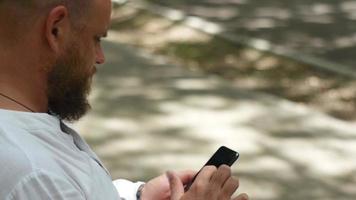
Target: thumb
x=175, y=185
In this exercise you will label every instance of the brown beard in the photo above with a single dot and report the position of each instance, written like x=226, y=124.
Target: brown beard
x=69, y=86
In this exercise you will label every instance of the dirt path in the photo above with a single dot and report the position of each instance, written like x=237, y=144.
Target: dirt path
x=149, y=116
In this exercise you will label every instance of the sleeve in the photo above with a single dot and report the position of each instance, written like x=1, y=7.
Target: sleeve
x=41, y=185
x=127, y=190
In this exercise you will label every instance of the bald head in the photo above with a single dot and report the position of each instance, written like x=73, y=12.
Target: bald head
x=20, y=15
x=47, y=60
x=77, y=8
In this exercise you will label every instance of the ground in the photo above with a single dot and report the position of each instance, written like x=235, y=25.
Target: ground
x=158, y=107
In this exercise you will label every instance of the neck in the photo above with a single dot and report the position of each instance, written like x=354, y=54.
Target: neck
x=24, y=88
x=14, y=100
x=21, y=77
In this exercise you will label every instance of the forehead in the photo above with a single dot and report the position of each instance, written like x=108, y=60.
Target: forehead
x=99, y=14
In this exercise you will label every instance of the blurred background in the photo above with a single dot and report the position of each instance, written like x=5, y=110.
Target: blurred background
x=273, y=79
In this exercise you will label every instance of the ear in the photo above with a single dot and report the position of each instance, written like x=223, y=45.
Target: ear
x=57, y=28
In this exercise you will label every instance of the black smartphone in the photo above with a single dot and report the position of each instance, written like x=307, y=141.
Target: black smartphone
x=222, y=156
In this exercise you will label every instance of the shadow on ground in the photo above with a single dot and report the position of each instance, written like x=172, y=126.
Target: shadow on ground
x=149, y=116
x=244, y=67
x=316, y=27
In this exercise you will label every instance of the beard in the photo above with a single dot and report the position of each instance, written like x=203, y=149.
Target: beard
x=69, y=86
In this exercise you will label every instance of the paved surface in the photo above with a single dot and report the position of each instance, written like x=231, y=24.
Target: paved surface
x=149, y=116
x=324, y=29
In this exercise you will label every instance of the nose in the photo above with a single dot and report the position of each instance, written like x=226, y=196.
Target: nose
x=100, y=57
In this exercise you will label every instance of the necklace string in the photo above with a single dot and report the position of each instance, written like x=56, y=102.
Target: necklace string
x=17, y=102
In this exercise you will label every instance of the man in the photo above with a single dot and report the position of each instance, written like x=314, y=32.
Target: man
x=48, y=52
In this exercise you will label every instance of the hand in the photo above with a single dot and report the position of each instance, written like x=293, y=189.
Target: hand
x=210, y=184
x=159, y=187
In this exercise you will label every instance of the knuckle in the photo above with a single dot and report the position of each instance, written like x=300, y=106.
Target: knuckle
x=224, y=196
x=210, y=168
x=225, y=169
x=199, y=186
x=234, y=181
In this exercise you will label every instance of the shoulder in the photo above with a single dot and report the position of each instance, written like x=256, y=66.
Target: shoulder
x=12, y=154
x=21, y=178
x=15, y=163
x=44, y=185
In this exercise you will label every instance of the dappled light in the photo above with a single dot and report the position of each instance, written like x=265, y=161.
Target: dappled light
x=219, y=13
x=169, y=95
x=248, y=68
x=149, y=117
x=293, y=24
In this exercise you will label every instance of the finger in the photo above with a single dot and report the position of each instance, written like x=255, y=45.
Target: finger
x=229, y=187
x=175, y=185
x=241, y=197
x=186, y=176
x=205, y=174
x=202, y=181
x=221, y=175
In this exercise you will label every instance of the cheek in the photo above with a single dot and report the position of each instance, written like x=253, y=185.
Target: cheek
x=83, y=67
x=89, y=63
x=88, y=58
x=88, y=48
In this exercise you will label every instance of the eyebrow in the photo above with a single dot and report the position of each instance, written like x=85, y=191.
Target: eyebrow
x=105, y=34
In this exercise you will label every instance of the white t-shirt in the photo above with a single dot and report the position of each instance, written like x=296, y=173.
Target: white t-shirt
x=43, y=159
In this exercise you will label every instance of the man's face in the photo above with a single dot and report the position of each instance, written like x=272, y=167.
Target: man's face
x=69, y=82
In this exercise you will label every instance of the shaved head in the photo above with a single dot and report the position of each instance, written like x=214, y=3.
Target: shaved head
x=49, y=50
x=77, y=8
x=20, y=15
